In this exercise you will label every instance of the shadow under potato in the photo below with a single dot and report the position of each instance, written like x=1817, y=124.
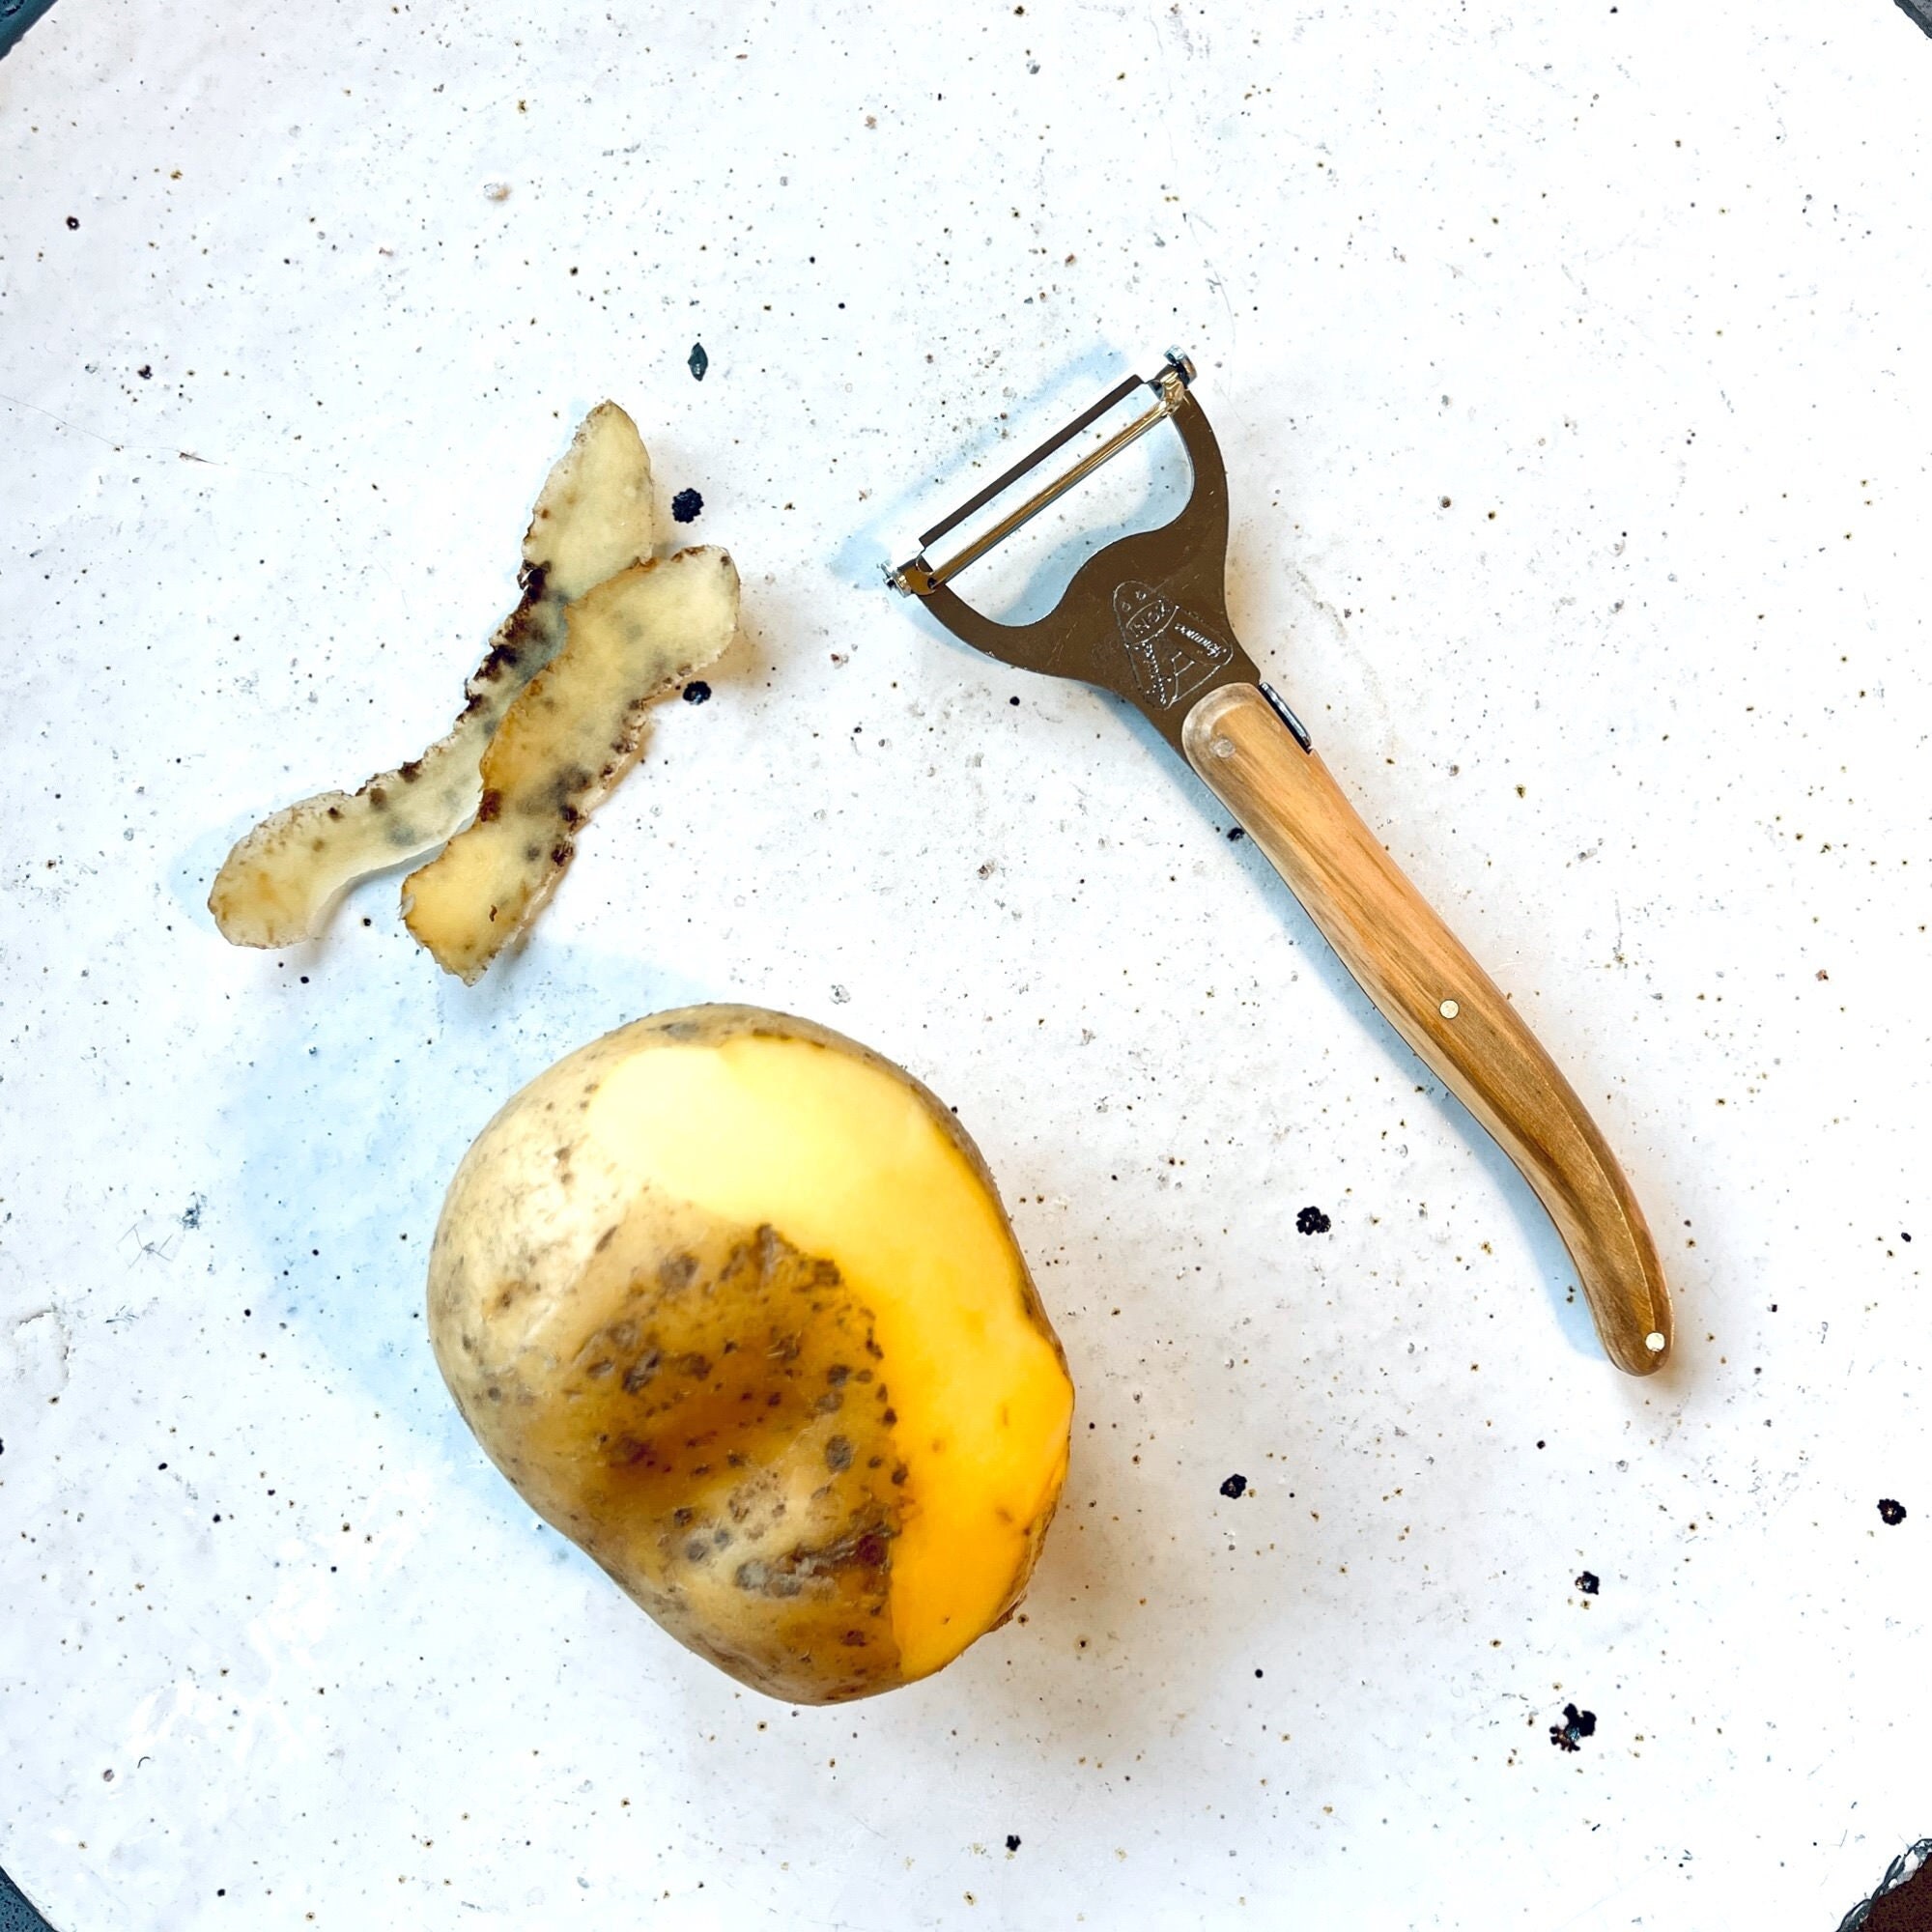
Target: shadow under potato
x=343, y=1146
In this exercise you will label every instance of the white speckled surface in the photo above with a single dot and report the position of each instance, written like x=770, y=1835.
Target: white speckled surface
x=1644, y=708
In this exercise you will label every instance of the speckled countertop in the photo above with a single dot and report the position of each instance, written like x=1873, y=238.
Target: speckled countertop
x=1570, y=369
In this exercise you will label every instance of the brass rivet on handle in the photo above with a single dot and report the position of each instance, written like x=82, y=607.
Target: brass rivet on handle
x=1655, y=1342
x=1450, y=1009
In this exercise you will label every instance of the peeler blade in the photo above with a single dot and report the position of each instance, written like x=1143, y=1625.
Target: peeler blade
x=1146, y=616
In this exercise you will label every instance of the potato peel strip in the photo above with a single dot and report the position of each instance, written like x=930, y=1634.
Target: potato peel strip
x=592, y=520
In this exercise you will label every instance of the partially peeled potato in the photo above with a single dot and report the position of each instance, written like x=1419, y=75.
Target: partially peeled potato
x=733, y=1302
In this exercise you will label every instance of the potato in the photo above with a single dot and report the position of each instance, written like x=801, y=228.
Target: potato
x=732, y=1301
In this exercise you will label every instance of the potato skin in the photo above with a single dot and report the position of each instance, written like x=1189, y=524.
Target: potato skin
x=699, y=1403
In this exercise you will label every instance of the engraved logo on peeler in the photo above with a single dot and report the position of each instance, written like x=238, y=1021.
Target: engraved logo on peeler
x=1173, y=651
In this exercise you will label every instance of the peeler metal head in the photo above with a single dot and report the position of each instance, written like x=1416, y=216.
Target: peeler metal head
x=1146, y=616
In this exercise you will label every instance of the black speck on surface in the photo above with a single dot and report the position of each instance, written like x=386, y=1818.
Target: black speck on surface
x=1012, y=700
x=1891, y=1511
x=1312, y=1221
x=73, y=222
x=696, y=691
x=1587, y=1582
x=1013, y=1841
x=1236, y=835
x=146, y=372
x=698, y=361
x=1575, y=1727
x=685, y=506
x=1234, y=1486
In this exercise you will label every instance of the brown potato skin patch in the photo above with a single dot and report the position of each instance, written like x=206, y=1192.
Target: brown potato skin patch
x=682, y=1439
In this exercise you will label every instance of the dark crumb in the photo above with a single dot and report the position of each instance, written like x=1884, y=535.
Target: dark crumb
x=146, y=372
x=686, y=506
x=1236, y=835
x=73, y=222
x=1234, y=1486
x=1013, y=1841
x=696, y=691
x=1587, y=1582
x=1890, y=1512
x=1012, y=700
x=698, y=361
x=1576, y=1725
x=1312, y=1221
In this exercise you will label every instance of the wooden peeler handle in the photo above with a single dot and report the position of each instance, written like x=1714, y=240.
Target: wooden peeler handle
x=1442, y=1001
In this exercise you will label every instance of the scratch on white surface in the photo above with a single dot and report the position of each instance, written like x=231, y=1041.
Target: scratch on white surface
x=158, y=453
x=1184, y=176
x=152, y=1240
x=77, y=429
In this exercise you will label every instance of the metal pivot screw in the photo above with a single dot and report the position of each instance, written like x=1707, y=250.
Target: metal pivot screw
x=1450, y=1009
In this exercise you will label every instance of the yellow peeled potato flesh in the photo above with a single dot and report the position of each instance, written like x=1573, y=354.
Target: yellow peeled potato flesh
x=733, y=1302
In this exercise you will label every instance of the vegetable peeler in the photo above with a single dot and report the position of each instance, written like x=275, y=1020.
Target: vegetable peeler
x=1147, y=619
